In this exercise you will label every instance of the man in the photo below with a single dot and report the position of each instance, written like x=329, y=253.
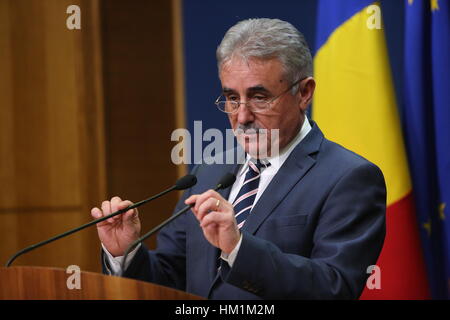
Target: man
x=304, y=223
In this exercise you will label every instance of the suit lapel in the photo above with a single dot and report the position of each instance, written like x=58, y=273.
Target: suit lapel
x=291, y=172
x=294, y=168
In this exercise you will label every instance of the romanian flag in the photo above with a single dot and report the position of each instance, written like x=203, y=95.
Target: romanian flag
x=355, y=106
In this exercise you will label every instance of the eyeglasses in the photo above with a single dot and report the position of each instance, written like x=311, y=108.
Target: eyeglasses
x=256, y=105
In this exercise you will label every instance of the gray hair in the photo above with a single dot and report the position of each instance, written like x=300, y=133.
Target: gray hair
x=265, y=39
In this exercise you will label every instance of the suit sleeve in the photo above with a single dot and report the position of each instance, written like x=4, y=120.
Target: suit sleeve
x=348, y=238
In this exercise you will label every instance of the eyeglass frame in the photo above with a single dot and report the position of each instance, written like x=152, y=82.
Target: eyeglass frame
x=246, y=103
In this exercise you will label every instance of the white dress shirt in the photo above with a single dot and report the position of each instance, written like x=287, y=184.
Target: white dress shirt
x=266, y=176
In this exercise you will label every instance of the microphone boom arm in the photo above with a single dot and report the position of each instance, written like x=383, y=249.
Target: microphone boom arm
x=226, y=181
x=62, y=235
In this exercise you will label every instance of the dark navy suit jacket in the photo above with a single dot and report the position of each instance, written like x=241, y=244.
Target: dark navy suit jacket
x=312, y=234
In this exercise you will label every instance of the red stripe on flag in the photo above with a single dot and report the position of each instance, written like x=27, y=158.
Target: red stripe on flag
x=401, y=262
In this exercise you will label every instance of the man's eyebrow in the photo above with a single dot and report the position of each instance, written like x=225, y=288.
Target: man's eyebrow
x=258, y=88
x=226, y=90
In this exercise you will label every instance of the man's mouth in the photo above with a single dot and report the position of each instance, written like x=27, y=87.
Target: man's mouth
x=250, y=132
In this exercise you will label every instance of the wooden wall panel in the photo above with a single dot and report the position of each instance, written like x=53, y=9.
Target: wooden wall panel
x=45, y=224
x=84, y=115
x=139, y=103
x=48, y=183
x=8, y=225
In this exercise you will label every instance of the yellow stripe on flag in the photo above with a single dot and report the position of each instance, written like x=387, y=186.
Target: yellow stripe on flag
x=354, y=103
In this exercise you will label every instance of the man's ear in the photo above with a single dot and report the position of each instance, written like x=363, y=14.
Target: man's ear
x=307, y=87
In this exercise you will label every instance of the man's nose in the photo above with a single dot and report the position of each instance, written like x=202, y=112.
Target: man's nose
x=244, y=114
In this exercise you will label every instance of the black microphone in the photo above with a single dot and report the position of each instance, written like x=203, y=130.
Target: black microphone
x=183, y=183
x=226, y=181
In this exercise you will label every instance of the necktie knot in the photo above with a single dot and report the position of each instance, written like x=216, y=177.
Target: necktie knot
x=257, y=165
x=245, y=199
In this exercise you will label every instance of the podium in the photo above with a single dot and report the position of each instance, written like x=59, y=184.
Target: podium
x=42, y=283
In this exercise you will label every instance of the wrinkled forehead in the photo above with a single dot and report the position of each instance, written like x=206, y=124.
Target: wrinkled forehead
x=251, y=63
x=253, y=72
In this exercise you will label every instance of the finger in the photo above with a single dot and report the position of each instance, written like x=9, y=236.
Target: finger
x=130, y=214
x=195, y=212
x=124, y=204
x=211, y=231
x=213, y=218
x=192, y=199
x=106, y=210
x=200, y=199
x=210, y=228
x=115, y=203
x=96, y=213
x=206, y=195
x=207, y=207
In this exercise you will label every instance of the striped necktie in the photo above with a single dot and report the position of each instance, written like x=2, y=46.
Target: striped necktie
x=245, y=199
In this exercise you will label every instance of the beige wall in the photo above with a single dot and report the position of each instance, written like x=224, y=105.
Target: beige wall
x=84, y=114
